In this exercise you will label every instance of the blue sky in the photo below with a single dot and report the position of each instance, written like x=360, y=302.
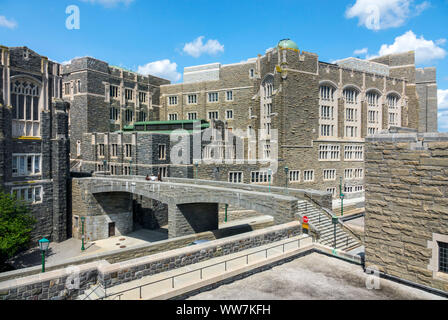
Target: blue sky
x=163, y=37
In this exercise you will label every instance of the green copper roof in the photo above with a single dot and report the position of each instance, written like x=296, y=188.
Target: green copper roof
x=169, y=122
x=288, y=44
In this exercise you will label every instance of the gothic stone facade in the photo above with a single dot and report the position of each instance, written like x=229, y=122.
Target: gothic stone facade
x=34, y=142
x=104, y=98
x=134, y=153
x=406, y=222
x=323, y=112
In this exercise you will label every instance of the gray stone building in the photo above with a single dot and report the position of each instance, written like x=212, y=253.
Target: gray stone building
x=315, y=115
x=34, y=143
x=321, y=111
x=105, y=98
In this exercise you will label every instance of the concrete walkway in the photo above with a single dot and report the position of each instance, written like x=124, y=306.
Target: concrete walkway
x=179, y=281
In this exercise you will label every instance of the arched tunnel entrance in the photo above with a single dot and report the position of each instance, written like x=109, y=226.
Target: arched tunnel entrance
x=149, y=213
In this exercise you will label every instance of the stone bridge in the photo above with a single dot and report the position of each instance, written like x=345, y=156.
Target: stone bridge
x=192, y=208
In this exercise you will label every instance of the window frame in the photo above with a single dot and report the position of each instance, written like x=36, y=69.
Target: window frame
x=26, y=172
x=33, y=188
x=209, y=95
x=239, y=177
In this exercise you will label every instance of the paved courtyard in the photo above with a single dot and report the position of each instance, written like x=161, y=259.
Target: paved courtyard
x=59, y=252
x=313, y=277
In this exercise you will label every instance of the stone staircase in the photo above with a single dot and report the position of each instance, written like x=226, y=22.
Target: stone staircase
x=96, y=292
x=324, y=225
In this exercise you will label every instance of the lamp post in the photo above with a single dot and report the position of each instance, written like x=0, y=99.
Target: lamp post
x=196, y=165
x=286, y=175
x=269, y=178
x=225, y=217
x=341, y=195
x=43, y=246
x=105, y=165
x=83, y=236
x=130, y=167
x=335, y=221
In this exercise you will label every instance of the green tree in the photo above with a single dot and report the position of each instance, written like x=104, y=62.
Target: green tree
x=16, y=224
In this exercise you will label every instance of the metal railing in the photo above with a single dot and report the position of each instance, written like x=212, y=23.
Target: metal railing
x=92, y=291
x=225, y=263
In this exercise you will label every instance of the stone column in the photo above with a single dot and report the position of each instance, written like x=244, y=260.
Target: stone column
x=60, y=170
x=363, y=119
x=385, y=116
x=341, y=118
x=5, y=143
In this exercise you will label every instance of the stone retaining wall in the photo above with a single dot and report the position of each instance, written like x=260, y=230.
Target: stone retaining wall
x=406, y=206
x=142, y=250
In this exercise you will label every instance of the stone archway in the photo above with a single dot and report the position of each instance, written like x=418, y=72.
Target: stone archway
x=191, y=208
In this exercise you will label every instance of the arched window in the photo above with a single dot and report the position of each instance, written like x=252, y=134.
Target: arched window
x=393, y=104
x=374, y=112
x=327, y=111
x=78, y=148
x=351, y=95
x=25, y=108
x=327, y=93
x=373, y=99
x=352, y=112
x=268, y=87
x=266, y=108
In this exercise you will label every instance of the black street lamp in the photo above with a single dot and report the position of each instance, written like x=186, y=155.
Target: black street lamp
x=43, y=246
x=83, y=236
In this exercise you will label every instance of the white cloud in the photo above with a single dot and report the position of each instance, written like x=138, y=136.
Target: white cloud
x=109, y=3
x=384, y=14
x=10, y=24
x=196, y=48
x=70, y=61
x=361, y=51
x=425, y=50
x=442, y=98
x=162, y=68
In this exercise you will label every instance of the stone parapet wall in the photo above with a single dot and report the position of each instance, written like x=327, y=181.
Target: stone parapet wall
x=323, y=198
x=116, y=274
x=54, y=285
x=406, y=205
